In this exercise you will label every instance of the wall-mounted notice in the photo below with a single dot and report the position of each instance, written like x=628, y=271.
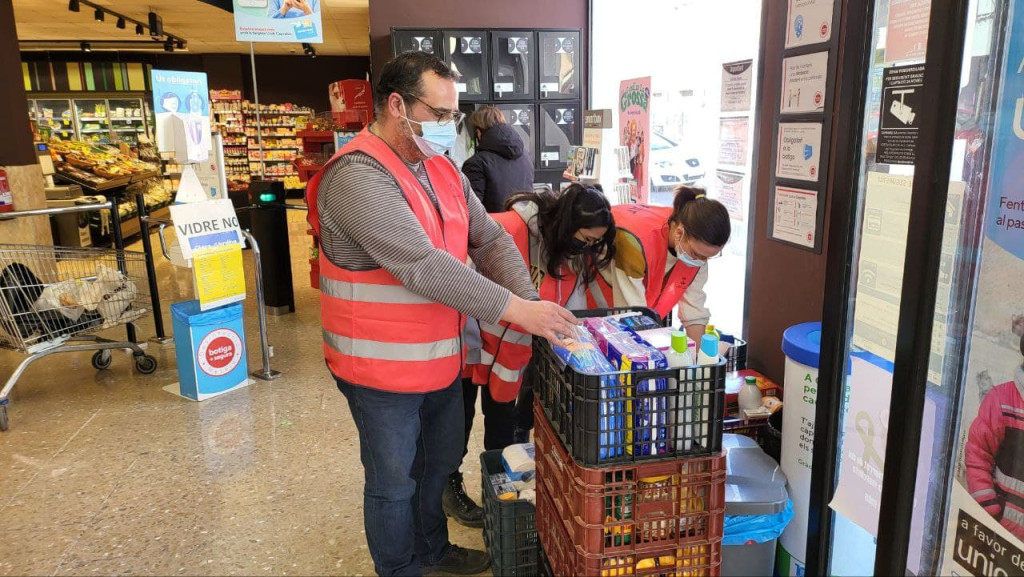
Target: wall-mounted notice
x=799, y=151
x=900, y=121
x=795, y=216
x=809, y=22
x=733, y=135
x=906, y=37
x=804, y=83
x=737, y=80
x=729, y=187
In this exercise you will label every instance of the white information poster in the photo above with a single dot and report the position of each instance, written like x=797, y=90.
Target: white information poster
x=880, y=268
x=737, y=80
x=950, y=242
x=799, y=151
x=205, y=225
x=733, y=136
x=809, y=22
x=804, y=83
x=795, y=216
x=729, y=188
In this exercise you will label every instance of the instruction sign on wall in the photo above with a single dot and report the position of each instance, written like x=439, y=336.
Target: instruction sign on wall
x=804, y=83
x=809, y=22
x=900, y=120
x=799, y=151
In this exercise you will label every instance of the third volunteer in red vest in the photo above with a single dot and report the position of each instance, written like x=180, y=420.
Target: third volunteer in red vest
x=662, y=255
x=565, y=240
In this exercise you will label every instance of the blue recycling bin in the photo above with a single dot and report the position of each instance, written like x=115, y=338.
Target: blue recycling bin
x=210, y=349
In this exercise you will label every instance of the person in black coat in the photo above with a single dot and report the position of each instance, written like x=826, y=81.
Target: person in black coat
x=501, y=166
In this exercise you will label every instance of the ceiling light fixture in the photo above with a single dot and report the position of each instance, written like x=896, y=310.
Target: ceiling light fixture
x=139, y=30
x=99, y=15
x=121, y=23
x=74, y=6
x=86, y=47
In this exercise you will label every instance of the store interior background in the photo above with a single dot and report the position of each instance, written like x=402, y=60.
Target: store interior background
x=758, y=288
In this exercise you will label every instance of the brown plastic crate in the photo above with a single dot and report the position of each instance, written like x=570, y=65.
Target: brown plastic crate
x=695, y=559
x=633, y=507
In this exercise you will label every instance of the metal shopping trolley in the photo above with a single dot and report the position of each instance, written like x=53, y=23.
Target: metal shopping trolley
x=53, y=298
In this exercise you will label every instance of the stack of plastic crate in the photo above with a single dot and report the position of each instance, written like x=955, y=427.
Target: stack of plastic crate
x=630, y=475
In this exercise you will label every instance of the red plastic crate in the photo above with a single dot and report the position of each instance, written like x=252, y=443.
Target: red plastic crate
x=633, y=507
x=694, y=559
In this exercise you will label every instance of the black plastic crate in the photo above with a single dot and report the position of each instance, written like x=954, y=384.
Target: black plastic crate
x=736, y=358
x=543, y=566
x=617, y=418
x=510, y=531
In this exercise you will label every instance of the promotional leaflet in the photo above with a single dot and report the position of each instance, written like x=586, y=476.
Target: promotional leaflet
x=906, y=36
x=278, y=21
x=985, y=523
x=733, y=137
x=729, y=187
x=737, y=79
x=635, y=129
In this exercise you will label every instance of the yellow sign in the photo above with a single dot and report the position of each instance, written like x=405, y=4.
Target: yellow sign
x=219, y=275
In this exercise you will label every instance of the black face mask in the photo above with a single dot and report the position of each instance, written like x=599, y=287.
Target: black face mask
x=577, y=247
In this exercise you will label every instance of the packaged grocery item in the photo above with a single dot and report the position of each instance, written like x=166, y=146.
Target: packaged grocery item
x=582, y=353
x=519, y=461
x=504, y=488
x=649, y=414
x=636, y=321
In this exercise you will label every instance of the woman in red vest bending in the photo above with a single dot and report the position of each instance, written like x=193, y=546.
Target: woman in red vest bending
x=564, y=241
x=662, y=255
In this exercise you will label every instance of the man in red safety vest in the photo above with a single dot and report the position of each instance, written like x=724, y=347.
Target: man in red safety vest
x=397, y=224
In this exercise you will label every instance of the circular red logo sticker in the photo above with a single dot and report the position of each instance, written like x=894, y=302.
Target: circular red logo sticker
x=814, y=171
x=817, y=98
x=824, y=29
x=219, y=352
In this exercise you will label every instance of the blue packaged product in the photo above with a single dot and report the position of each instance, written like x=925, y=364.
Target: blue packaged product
x=635, y=321
x=582, y=354
x=646, y=415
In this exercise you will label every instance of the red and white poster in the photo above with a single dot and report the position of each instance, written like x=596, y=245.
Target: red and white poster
x=635, y=130
x=907, y=36
x=351, y=101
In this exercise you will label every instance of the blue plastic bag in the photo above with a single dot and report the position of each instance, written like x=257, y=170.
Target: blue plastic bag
x=742, y=529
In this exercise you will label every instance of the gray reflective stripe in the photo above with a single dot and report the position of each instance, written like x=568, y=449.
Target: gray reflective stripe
x=1014, y=409
x=1014, y=515
x=381, y=351
x=978, y=495
x=1015, y=485
x=595, y=290
x=510, y=336
x=370, y=293
x=501, y=371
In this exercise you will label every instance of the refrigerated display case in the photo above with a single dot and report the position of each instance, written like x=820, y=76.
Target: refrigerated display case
x=918, y=471
x=55, y=119
x=417, y=40
x=127, y=120
x=559, y=64
x=467, y=52
x=521, y=118
x=559, y=129
x=512, y=64
x=97, y=119
x=92, y=120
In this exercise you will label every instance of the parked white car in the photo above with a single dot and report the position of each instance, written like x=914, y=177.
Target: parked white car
x=669, y=168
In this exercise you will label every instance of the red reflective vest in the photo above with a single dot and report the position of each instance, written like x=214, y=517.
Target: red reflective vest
x=646, y=228
x=377, y=333
x=507, y=349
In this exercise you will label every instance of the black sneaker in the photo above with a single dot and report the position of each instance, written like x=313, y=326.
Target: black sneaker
x=459, y=561
x=457, y=504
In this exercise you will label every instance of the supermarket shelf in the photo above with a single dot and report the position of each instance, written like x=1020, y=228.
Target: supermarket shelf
x=276, y=148
x=94, y=130
x=279, y=113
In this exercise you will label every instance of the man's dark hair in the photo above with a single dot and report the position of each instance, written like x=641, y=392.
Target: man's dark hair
x=404, y=75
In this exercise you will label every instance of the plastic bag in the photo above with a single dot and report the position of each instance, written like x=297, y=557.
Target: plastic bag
x=110, y=294
x=747, y=529
x=62, y=297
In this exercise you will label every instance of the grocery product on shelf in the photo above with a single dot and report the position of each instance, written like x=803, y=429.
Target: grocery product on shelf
x=229, y=119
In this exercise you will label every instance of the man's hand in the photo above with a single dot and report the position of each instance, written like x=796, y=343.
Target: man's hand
x=541, y=318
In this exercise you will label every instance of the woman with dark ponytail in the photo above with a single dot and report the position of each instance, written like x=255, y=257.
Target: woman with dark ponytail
x=661, y=256
x=564, y=239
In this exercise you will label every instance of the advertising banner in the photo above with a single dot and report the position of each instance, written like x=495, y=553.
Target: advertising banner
x=351, y=101
x=985, y=523
x=278, y=21
x=181, y=102
x=635, y=130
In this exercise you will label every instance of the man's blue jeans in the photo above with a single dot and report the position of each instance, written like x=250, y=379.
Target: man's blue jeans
x=409, y=444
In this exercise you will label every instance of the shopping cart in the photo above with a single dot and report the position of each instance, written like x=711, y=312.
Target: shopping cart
x=53, y=298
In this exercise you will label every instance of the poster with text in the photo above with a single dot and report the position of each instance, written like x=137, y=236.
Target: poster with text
x=733, y=138
x=985, y=524
x=900, y=118
x=799, y=151
x=635, y=130
x=278, y=21
x=809, y=22
x=729, y=188
x=737, y=80
x=795, y=216
x=181, y=102
x=804, y=83
x=906, y=37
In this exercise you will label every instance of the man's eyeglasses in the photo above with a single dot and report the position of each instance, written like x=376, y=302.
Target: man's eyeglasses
x=444, y=117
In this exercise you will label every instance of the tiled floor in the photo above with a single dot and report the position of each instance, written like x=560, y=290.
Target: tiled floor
x=105, y=473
